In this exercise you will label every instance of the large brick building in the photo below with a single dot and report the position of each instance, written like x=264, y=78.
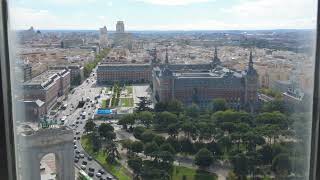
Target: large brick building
x=47, y=87
x=76, y=72
x=130, y=73
x=202, y=83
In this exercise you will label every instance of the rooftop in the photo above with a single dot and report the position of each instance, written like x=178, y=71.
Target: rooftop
x=124, y=65
x=46, y=78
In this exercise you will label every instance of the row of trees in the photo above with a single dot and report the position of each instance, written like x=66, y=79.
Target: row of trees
x=103, y=135
x=91, y=65
x=254, y=143
x=115, y=95
x=153, y=157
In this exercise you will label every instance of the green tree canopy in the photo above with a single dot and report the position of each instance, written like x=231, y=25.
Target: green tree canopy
x=193, y=111
x=138, y=131
x=276, y=105
x=143, y=104
x=128, y=119
x=89, y=126
x=136, y=165
x=173, y=129
x=146, y=118
x=159, y=140
x=167, y=147
x=163, y=119
x=106, y=130
x=147, y=136
x=219, y=104
x=151, y=148
x=240, y=165
x=203, y=158
x=281, y=165
x=166, y=156
x=137, y=146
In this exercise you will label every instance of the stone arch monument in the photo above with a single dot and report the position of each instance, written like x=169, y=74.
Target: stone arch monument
x=34, y=145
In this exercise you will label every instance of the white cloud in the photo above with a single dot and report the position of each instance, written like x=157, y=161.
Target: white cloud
x=173, y=2
x=275, y=13
x=23, y=18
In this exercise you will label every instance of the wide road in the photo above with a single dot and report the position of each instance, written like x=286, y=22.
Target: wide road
x=74, y=120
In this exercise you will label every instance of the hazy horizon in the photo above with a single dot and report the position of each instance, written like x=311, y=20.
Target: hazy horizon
x=163, y=15
x=169, y=30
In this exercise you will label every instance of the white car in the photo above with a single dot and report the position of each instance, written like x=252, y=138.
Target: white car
x=98, y=175
x=83, y=167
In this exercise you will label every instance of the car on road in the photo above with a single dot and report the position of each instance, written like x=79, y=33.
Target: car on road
x=89, y=158
x=109, y=178
x=75, y=147
x=91, y=169
x=102, y=178
x=85, y=163
x=98, y=175
x=78, y=138
x=77, y=151
x=81, y=155
x=83, y=167
x=101, y=171
x=91, y=174
x=63, y=118
x=76, y=160
x=77, y=156
x=77, y=132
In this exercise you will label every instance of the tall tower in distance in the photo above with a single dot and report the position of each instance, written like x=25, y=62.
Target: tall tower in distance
x=103, y=37
x=215, y=60
x=120, y=27
x=251, y=85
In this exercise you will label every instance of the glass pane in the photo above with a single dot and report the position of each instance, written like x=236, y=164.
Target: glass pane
x=159, y=89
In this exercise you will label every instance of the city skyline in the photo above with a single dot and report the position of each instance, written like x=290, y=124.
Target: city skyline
x=163, y=15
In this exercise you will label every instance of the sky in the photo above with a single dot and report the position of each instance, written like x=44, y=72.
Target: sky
x=163, y=14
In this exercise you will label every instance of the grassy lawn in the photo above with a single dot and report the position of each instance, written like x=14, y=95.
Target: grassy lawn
x=116, y=169
x=126, y=102
x=104, y=103
x=191, y=174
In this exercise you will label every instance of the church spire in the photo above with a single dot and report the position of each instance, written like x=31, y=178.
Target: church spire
x=167, y=57
x=215, y=52
x=250, y=60
x=166, y=70
x=251, y=70
x=216, y=60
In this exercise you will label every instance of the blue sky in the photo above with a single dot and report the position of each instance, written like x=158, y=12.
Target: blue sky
x=164, y=14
